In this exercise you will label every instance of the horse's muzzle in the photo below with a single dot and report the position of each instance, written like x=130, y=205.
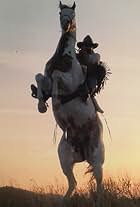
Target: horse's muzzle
x=66, y=26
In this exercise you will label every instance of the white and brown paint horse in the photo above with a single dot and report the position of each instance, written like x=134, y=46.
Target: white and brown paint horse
x=73, y=111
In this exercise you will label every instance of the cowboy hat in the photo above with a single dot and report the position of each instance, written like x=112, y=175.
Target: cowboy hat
x=87, y=42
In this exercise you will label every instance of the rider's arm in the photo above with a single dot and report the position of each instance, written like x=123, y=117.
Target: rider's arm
x=98, y=57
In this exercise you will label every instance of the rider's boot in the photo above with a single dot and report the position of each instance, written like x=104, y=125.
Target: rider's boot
x=97, y=107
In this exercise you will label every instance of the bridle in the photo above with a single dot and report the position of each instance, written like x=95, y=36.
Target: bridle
x=71, y=21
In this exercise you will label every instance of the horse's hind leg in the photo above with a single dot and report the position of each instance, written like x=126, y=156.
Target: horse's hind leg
x=68, y=171
x=96, y=162
x=98, y=174
x=66, y=160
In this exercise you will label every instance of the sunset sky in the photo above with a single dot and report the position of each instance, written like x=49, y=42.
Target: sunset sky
x=29, y=32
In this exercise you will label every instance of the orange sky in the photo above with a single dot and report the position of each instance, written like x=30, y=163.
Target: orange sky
x=27, y=41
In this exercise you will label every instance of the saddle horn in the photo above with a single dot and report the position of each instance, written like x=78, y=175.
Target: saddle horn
x=74, y=6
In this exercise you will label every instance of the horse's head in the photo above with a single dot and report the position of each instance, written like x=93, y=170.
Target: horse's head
x=67, y=17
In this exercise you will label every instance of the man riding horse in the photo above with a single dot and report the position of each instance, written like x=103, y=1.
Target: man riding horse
x=96, y=72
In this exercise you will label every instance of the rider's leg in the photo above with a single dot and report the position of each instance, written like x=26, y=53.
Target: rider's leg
x=92, y=82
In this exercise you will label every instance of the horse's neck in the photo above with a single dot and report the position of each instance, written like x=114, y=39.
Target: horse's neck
x=71, y=44
x=71, y=82
x=67, y=44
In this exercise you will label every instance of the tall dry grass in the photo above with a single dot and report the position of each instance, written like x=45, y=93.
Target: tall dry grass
x=121, y=193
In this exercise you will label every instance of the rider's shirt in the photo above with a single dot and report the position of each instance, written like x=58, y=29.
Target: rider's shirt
x=93, y=58
x=88, y=58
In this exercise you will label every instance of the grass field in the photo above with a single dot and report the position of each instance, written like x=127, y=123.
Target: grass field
x=120, y=193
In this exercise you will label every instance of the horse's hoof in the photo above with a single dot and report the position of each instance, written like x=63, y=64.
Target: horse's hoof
x=42, y=108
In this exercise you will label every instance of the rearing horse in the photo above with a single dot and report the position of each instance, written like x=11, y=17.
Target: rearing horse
x=64, y=79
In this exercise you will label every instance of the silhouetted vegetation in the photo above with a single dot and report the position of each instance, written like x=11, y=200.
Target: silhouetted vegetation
x=120, y=193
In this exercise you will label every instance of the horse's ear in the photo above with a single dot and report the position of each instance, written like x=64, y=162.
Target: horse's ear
x=74, y=6
x=60, y=4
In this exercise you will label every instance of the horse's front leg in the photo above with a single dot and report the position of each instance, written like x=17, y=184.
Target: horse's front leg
x=43, y=85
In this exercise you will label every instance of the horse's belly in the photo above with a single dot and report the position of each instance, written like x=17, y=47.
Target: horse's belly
x=78, y=111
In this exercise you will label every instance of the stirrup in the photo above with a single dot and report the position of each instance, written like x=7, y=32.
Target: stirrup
x=34, y=91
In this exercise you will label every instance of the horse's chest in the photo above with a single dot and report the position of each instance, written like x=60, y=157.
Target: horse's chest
x=73, y=114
